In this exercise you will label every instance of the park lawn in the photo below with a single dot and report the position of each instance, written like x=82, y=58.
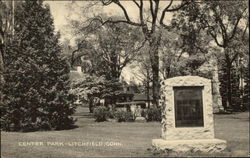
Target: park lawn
x=112, y=139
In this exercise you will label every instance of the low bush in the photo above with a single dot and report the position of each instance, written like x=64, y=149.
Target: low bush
x=153, y=114
x=144, y=113
x=123, y=116
x=111, y=114
x=101, y=113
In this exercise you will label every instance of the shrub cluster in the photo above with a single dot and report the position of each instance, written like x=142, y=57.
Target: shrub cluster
x=102, y=113
x=123, y=116
x=153, y=114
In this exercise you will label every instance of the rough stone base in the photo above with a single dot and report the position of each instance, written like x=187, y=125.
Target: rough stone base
x=196, y=145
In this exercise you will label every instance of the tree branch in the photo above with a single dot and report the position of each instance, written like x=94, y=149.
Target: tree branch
x=215, y=39
x=234, y=57
x=177, y=8
x=214, y=36
x=123, y=9
x=151, y=7
x=99, y=19
x=164, y=12
x=244, y=32
x=104, y=2
x=235, y=28
x=154, y=18
x=170, y=10
x=221, y=25
x=141, y=12
x=136, y=3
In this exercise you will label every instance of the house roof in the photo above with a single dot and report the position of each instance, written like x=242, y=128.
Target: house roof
x=131, y=103
x=141, y=97
x=120, y=94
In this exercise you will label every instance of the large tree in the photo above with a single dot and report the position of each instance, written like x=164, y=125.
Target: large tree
x=224, y=22
x=107, y=50
x=151, y=17
x=143, y=72
x=36, y=92
x=183, y=52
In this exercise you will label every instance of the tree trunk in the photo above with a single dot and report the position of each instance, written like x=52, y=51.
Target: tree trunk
x=154, y=42
x=229, y=91
x=2, y=81
x=91, y=105
x=147, y=87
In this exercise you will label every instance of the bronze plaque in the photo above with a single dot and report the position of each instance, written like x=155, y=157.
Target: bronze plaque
x=188, y=107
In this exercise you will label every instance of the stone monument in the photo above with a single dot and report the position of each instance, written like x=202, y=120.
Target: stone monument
x=217, y=100
x=187, y=118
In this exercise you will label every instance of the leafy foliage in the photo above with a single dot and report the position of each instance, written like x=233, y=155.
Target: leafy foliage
x=246, y=96
x=123, y=116
x=6, y=26
x=150, y=20
x=235, y=92
x=101, y=113
x=36, y=92
x=153, y=114
x=111, y=47
x=91, y=87
x=222, y=25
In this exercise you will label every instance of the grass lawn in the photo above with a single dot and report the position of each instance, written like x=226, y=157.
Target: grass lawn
x=112, y=139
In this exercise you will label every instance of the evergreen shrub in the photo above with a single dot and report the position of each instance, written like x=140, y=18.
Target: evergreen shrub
x=153, y=114
x=101, y=113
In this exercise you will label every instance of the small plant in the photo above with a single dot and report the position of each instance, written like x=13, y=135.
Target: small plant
x=153, y=114
x=144, y=113
x=123, y=116
x=111, y=114
x=101, y=113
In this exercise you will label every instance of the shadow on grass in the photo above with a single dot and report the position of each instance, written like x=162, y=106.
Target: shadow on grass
x=46, y=130
x=42, y=129
x=170, y=153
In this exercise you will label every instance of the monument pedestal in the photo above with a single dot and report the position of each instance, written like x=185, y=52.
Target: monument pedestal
x=195, y=145
x=187, y=118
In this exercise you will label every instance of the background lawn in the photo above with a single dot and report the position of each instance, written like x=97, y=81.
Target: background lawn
x=112, y=139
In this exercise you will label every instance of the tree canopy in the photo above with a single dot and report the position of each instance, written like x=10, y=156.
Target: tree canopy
x=111, y=47
x=224, y=25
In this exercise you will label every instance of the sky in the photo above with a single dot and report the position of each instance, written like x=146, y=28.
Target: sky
x=61, y=10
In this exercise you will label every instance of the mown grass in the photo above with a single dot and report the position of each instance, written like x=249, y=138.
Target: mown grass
x=129, y=139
